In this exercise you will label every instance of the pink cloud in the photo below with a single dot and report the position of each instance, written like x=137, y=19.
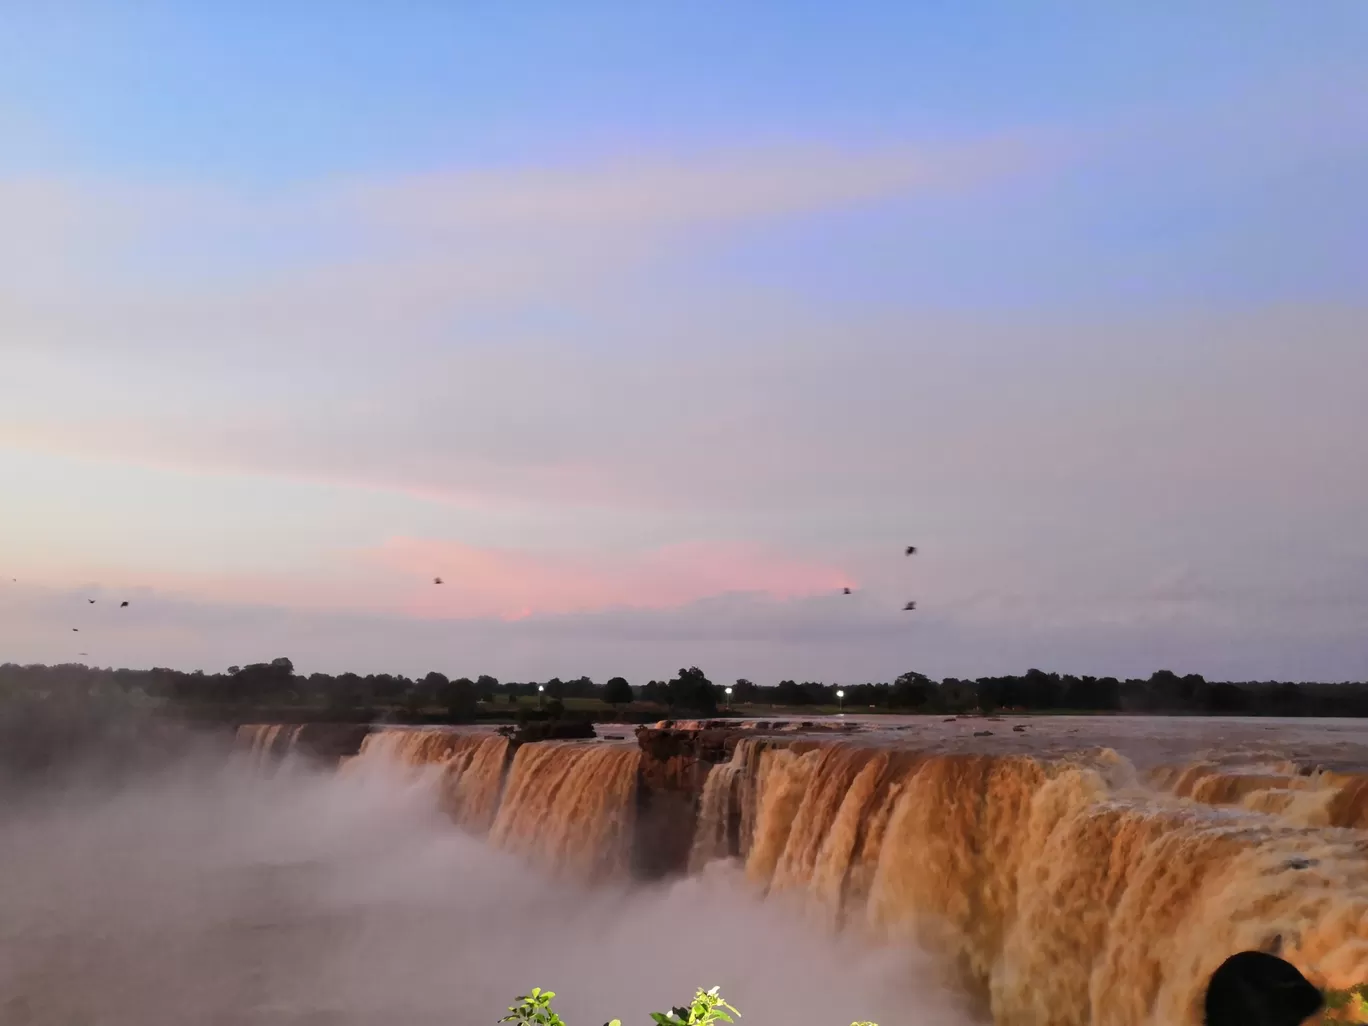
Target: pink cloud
x=505, y=583
x=514, y=584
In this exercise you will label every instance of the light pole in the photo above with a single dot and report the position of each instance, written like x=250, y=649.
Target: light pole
x=840, y=701
x=541, y=688
x=727, y=692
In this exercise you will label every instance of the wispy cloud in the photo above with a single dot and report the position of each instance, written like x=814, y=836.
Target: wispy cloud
x=488, y=225
x=929, y=414
x=687, y=191
x=514, y=584
x=396, y=579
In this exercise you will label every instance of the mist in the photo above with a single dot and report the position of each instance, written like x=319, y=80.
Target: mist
x=214, y=894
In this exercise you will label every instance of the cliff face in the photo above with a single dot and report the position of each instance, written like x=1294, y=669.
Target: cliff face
x=674, y=767
x=330, y=741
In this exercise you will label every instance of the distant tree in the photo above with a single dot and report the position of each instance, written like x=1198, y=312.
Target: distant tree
x=457, y=699
x=744, y=690
x=348, y=691
x=867, y=694
x=487, y=687
x=555, y=688
x=958, y=696
x=819, y=693
x=386, y=688
x=271, y=682
x=1227, y=698
x=417, y=696
x=693, y=691
x=1287, y=700
x=1195, y=691
x=790, y=692
x=617, y=691
x=1109, y=693
x=1166, y=690
x=911, y=690
x=1090, y=693
x=1041, y=690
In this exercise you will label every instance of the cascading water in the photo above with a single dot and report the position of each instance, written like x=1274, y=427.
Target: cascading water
x=571, y=805
x=726, y=811
x=1060, y=890
x=1305, y=796
x=472, y=766
x=266, y=742
x=1059, y=895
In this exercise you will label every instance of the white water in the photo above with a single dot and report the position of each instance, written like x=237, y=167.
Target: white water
x=227, y=898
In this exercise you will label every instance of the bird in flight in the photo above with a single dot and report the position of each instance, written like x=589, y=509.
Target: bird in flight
x=911, y=551
x=436, y=580
x=75, y=630
x=122, y=604
x=909, y=607
x=845, y=591
x=91, y=601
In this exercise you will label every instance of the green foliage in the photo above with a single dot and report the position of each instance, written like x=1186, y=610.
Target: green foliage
x=1349, y=1005
x=708, y=1007
x=534, y=1009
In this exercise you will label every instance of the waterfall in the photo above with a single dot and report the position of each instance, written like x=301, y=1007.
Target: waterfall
x=571, y=805
x=1061, y=890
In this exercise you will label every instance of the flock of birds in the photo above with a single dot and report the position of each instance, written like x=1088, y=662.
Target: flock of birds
x=89, y=601
x=77, y=629
x=911, y=550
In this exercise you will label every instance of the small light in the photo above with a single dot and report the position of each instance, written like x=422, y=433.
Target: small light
x=840, y=694
x=728, y=690
x=541, y=687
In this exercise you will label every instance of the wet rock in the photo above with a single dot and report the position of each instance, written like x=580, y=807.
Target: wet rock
x=553, y=730
x=330, y=741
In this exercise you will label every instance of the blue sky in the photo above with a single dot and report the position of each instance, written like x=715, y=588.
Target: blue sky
x=652, y=327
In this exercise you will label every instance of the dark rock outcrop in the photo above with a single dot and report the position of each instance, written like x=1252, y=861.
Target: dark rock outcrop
x=548, y=730
x=330, y=741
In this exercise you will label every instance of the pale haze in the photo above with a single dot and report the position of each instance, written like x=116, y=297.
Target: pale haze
x=651, y=330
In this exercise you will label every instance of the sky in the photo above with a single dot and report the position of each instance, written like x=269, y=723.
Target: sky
x=650, y=328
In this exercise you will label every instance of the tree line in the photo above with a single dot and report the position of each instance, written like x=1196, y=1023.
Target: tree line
x=275, y=689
